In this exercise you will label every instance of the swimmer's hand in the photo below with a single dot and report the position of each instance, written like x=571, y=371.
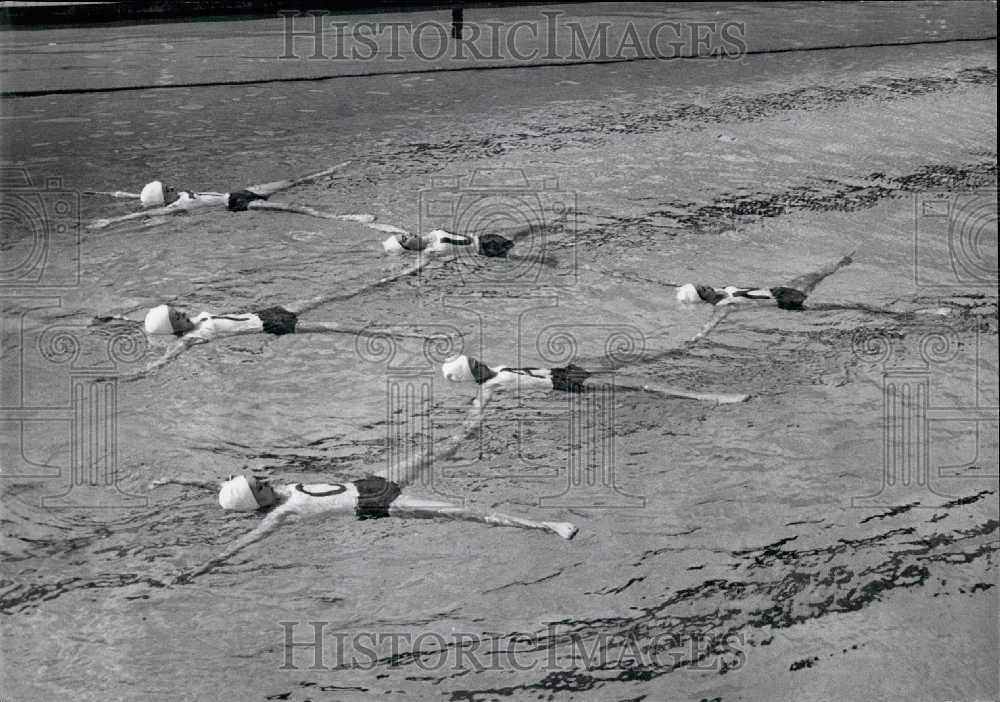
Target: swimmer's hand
x=160, y=482
x=564, y=529
x=99, y=224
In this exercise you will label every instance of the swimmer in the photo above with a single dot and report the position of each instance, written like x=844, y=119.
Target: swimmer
x=373, y=497
x=788, y=297
x=441, y=241
x=167, y=320
x=571, y=378
x=162, y=200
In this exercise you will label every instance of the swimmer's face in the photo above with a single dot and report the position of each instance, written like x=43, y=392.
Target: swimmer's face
x=170, y=194
x=180, y=322
x=411, y=242
x=262, y=492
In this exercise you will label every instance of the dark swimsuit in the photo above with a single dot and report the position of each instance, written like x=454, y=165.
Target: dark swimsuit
x=374, y=496
x=568, y=379
x=278, y=320
x=241, y=199
x=494, y=245
x=787, y=298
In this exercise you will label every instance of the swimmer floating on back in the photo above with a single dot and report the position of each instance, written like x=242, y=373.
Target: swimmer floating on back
x=372, y=497
x=568, y=379
x=490, y=244
x=441, y=241
x=162, y=200
x=789, y=297
x=166, y=320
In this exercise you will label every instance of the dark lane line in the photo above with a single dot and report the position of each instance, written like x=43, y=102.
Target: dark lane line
x=455, y=69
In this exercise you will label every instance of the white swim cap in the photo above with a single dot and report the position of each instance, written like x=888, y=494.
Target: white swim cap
x=458, y=369
x=392, y=245
x=688, y=293
x=152, y=194
x=236, y=495
x=158, y=320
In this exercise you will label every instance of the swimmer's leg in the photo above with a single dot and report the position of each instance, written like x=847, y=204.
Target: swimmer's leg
x=406, y=472
x=311, y=212
x=314, y=302
x=268, y=189
x=808, y=282
x=636, y=385
x=420, y=508
x=334, y=328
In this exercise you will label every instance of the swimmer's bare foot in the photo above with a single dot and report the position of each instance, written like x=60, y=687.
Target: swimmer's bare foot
x=564, y=529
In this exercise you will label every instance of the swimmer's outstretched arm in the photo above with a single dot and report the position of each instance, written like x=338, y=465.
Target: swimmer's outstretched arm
x=114, y=193
x=268, y=525
x=145, y=214
x=314, y=302
x=420, y=508
x=267, y=189
x=638, y=385
x=178, y=348
x=310, y=211
x=719, y=314
x=160, y=482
